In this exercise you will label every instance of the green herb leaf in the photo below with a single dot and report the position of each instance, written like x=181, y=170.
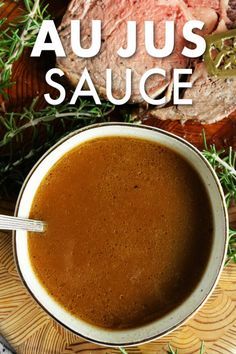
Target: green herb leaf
x=17, y=36
x=27, y=135
x=171, y=350
x=231, y=256
x=202, y=349
x=224, y=164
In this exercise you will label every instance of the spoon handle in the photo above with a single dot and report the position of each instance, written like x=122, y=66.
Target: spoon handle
x=16, y=223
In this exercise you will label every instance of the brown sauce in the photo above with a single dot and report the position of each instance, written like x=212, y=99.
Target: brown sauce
x=129, y=231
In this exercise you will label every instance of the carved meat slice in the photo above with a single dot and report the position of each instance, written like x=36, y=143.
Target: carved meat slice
x=114, y=16
x=213, y=99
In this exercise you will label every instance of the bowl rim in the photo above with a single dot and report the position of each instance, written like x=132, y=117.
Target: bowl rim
x=224, y=222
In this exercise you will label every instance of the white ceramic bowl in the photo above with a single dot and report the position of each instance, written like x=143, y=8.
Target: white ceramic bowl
x=208, y=281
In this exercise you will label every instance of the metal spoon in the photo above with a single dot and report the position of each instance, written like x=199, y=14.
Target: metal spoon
x=5, y=347
x=16, y=223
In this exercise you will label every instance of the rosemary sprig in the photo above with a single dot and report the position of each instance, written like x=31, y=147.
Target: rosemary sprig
x=17, y=36
x=175, y=351
x=85, y=112
x=27, y=135
x=122, y=350
x=224, y=164
x=170, y=350
x=231, y=247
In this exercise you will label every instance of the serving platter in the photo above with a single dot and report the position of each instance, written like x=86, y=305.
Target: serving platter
x=26, y=326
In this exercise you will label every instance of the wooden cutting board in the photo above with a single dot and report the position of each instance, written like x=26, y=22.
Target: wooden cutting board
x=27, y=327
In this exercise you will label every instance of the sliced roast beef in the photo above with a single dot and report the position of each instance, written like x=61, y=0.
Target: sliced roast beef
x=114, y=16
x=214, y=4
x=213, y=99
x=209, y=17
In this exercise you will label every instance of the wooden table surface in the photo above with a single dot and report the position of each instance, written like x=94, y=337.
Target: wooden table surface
x=28, y=328
x=31, y=331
